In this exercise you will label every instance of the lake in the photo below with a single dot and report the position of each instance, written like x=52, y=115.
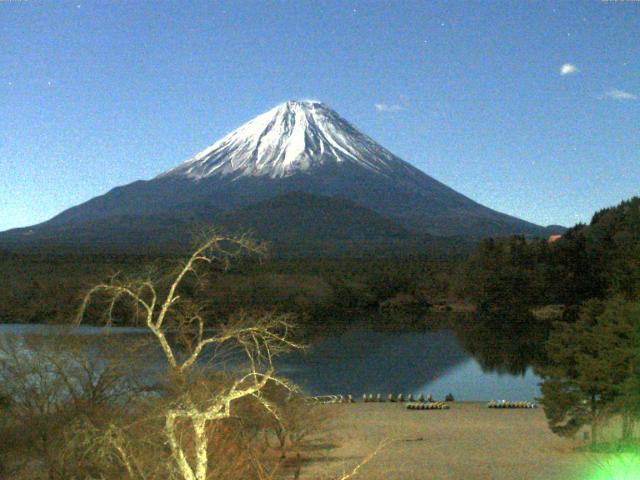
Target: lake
x=361, y=361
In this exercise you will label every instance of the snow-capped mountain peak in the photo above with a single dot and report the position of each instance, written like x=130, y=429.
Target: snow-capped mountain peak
x=294, y=168
x=295, y=136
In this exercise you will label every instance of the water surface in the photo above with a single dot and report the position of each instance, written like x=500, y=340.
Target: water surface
x=434, y=362
x=364, y=361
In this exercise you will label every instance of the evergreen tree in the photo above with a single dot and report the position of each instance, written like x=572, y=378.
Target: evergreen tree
x=575, y=388
x=593, y=371
x=618, y=334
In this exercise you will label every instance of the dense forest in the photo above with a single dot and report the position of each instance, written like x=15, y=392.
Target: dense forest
x=48, y=288
x=588, y=261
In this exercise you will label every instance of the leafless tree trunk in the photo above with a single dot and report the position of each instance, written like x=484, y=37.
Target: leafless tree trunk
x=260, y=338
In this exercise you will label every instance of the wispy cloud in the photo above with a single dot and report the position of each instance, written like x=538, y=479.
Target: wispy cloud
x=616, y=94
x=568, y=69
x=385, y=107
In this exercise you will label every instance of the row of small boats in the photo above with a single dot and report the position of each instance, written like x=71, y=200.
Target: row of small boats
x=419, y=403
x=428, y=406
x=397, y=398
x=508, y=404
x=378, y=398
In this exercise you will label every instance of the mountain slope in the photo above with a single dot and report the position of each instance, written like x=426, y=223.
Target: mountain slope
x=296, y=224
x=299, y=224
x=301, y=216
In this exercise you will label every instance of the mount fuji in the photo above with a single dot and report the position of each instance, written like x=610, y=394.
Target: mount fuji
x=297, y=171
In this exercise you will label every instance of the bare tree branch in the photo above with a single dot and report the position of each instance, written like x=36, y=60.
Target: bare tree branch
x=258, y=336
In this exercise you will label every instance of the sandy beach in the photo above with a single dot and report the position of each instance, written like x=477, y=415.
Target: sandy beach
x=469, y=441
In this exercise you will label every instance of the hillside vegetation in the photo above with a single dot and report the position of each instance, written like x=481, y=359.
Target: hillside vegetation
x=49, y=288
x=589, y=261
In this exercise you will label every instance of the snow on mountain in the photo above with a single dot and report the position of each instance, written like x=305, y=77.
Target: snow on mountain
x=292, y=137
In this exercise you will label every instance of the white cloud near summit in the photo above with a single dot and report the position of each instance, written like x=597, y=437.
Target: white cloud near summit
x=620, y=95
x=384, y=107
x=568, y=69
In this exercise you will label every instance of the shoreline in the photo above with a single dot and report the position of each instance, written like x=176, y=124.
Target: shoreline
x=466, y=442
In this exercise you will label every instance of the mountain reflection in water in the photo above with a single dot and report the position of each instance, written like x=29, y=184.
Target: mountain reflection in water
x=364, y=361
x=464, y=358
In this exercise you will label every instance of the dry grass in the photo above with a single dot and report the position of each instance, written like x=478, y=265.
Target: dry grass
x=468, y=442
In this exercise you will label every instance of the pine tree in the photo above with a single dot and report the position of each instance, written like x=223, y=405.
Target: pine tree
x=594, y=370
x=574, y=390
x=618, y=332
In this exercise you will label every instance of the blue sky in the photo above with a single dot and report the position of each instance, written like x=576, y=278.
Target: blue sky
x=531, y=108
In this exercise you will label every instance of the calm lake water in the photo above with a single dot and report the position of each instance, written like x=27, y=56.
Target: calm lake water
x=363, y=361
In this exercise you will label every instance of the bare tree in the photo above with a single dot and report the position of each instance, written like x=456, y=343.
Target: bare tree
x=197, y=403
x=51, y=381
x=298, y=423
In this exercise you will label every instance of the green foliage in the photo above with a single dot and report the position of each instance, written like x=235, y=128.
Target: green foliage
x=594, y=261
x=619, y=330
x=507, y=270
x=572, y=394
x=593, y=365
x=613, y=242
x=49, y=288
